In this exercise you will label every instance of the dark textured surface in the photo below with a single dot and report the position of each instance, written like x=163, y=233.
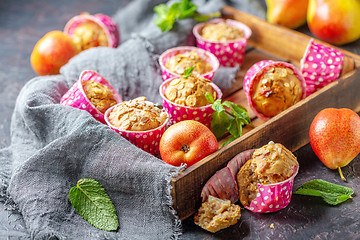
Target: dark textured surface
x=23, y=23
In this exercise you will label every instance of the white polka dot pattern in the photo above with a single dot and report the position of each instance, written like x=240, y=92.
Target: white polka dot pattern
x=76, y=97
x=273, y=197
x=320, y=66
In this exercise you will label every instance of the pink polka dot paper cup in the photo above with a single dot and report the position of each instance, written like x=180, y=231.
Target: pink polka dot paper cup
x=254, y=74
x=207, y=56
x=320, y=65
x=230, y=53
x=180, y=113
x=76, y=97
x=106, y=23
x=146, y=140
x=273, y=197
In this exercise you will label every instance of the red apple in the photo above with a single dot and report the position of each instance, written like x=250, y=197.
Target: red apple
x=187, y=142
x=334, y=21
x=335, y=137
x=51, y=52
x=289, y=13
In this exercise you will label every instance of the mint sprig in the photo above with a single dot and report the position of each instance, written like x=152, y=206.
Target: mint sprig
x=93, y=204
x=188, y=72
x=231, y=121
x=331, y=193
x=167, y=16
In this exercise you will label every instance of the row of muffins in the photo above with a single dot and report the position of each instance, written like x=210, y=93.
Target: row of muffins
x=270, y=87
x=140, y=121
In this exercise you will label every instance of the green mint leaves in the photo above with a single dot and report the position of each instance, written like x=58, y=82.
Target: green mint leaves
x=166, y=16
x=223, y=121
x=188, y=72
x=332, y=194
x=93, y=204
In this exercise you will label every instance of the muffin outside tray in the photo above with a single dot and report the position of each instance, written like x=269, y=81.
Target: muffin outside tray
x=208, y=56
x=146, y=140
x=254, y=74
x=270, y=198
x=76, y=97
x=179, y=113
x=105, y=22
x=230, y=53
x=320, y=66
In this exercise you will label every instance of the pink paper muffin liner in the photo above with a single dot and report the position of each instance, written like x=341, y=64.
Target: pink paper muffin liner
x=105, y=22
x=229, y=53
x=208, y=56
x=270, y=198
x=146, y=140
x=180, y=113
x=76, y=97
x=273, y=197
x=254, y=74
x=320, y=65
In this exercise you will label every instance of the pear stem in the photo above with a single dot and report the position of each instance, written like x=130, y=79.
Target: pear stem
x=341, y=175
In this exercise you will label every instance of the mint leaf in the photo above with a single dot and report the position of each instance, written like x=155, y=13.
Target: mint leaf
x=331, y=193
x=187, y=72
x=229, y=141
x=228, y=121
x=217, y=106
x=219, y=123
x=167, y=16
x=235, y=127
x=93, y=204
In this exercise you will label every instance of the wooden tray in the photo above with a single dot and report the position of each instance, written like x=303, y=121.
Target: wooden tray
x=291, y=127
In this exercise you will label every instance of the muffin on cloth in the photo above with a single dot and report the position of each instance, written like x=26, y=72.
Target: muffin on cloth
x=93, y=93
x=139, y=121
x=226, y=39
x=175, y=61
x=216, y=214
x=272, y=87
x=184, y=98
x=265, y=181
x=99, y=95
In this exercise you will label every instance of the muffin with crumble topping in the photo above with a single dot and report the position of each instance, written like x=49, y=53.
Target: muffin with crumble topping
x=139, y=121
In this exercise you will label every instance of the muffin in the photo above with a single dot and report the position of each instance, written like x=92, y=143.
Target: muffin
x=175, y=61
x=136, y=115
x=270, y=165
x=139, y=121
x=189, y=91
x=89, y=31
x=182, y=61
x=226, y=39
x=99, y=95
x=272, y=87
x=221, y=32
x=216, y=214
x=92, y=93
x=184, y=99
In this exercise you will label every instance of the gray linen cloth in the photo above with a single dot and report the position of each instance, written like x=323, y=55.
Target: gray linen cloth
x=53, y=146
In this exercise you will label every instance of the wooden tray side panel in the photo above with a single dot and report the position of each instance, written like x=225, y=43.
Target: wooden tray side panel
x=291, y=128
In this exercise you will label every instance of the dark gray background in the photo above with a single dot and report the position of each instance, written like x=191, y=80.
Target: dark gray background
x=24, y=22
